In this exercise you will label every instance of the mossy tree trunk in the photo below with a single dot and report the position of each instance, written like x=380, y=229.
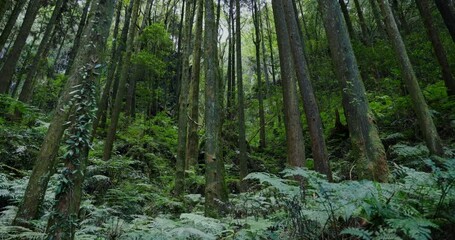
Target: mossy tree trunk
x=293, y=125
x=318, y=145
x=87, y=65
x=6, y=32
x=448, y=15
x=421, y=109
x=367, y=148
x=192, y=148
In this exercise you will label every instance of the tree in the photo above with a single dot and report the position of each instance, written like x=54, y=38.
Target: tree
x=421, y=109
x=318, y=146
x=109, y=143
x=363, y=24
x=87, y=63
x=6, y=32
x=448, y=15
x=45, y=161
x=293, y=125
x=27, y=89
x=213, y=182
x=433, y=34
x=192, y=148
x=347, y=18
x=9, y=68
x=367, y=148
x=243, y=161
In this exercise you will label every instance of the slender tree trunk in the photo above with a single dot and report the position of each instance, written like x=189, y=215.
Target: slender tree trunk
x=269, y=31
x=115, y=52
x=213, y=188
x=61, y=224
x=109, y=143
x=192, y=149
x=421, y=109
x=347, y=18
x=293, y=125
x=433, y=34
x=377, y=17
x=257, y=43
x=264, y=57
x=243, y=161
x=318, y=146
x=367, y=148
x=183, y=102
x=10, y=23
x=4, y=6
x=9, y=68
x=231, y=61
x=447, y=15
x=363, y=24
x=27, y=90
x=45, y=162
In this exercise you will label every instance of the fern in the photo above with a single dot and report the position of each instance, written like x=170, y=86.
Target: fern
x=358, y=232
x=415, y=228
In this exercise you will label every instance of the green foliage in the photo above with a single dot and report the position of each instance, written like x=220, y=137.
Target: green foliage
x=45, y=96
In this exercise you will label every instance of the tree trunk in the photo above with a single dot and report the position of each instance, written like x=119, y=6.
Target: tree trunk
x=447, y=15
x=77, y=38
x=347, y=18
x=257, y=43
x=240, y=98
x=363, y=24
x=433, y=34
x=293, y=125
x=4, y=6
x=61, y=224
x=377, y=17
x=183, y=101
x=269, y=36
x=214, y=186
x=43, y=49
x=97, y=33
x=109, y=143
x=10, y=23
x=421, y=109
x=192, y=149
x=318, y=146
x=9, y=68
x=367, y=148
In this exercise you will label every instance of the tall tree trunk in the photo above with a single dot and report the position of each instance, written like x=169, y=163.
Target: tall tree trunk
x=377, y=17
x=183, y=102
x=269, y=36
x=264, y=57
x=27, y=90
x=10, y=23
x=9, y=68
x=4, y=6
x=363, y=24
x=214, y=185
x=61, y=224
x=192, y=148
x=77, y=38
x=433, y=34
x=243, y=161
x=421, y=109
x=96, y=33
x=367, y=148
x=293, y=125
x=347, y=18
x=231, y=61
x=447, y=15
x=257, y=43
x=318, y=146
x=109, y=143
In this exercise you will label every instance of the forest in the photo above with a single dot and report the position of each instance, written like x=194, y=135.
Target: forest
x=227, y=119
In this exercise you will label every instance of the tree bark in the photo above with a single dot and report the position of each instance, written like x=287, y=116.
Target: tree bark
x=347, y=18
x=447, y=15
x=61, y=224
x=9, y=68
x=6, y=32
x=293, y=125
x=109, y=143
x=43, y=49
x=433, y=35
x=363, y=24
x=192, y=149
x=318, y=146
x=421, y=109
x=367, y=148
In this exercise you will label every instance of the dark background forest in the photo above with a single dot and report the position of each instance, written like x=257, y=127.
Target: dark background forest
x=227, y=119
